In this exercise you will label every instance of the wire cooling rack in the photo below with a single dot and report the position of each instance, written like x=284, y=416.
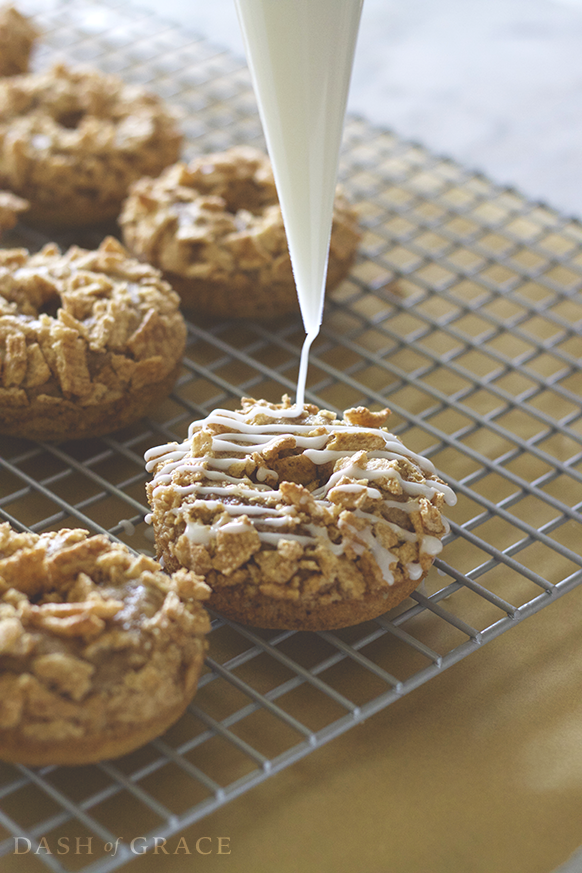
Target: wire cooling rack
x=463, y=314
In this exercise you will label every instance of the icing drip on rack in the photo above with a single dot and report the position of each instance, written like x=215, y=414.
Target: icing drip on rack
x=219, y=482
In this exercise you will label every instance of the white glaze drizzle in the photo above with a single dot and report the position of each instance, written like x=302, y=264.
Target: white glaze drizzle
x=271, y=517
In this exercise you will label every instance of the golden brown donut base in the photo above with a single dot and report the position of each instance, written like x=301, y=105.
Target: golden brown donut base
x=17, y=749
x=82, y=212
x=265, y=612
x=252, y=300
x=64, y=420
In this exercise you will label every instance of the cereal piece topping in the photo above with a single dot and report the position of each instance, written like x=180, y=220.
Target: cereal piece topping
x=84, y=326
x=89, y=632
x=11, y=208
x=296, y=503
x=72, y=140
x=17, y=37
x=217, y=222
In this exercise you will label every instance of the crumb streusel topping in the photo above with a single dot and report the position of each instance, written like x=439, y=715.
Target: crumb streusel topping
x=17, y=37
x=219, y=216
x=77, y=138
x=297, y=504
x=11, y=207
x=92, y=638
x=85, y=326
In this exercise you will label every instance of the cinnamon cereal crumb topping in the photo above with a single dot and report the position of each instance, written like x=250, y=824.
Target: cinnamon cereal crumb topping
x=303, y=507
x=92, y=637
x=17, y=37
x=217, y=218
x=84, y=326
x=73, y=139
x=11, y=207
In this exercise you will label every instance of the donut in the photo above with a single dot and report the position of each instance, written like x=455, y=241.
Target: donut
x=295, y=518
x=214, y=227
x=89, y=341
x=17, y=37
x=11, y=207
x=73, y=139
x=100, y=650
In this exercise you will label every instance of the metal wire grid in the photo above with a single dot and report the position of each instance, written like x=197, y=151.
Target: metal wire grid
x=463, y=315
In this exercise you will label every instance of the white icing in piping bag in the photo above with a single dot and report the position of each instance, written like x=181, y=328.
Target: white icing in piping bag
x=300, y=54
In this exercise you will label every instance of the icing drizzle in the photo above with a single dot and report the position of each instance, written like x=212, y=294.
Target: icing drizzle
x=240, y=504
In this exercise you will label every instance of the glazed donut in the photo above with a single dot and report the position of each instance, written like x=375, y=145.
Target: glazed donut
x=11, y=207
x=100, y=651
x=89, y=341
x=214, y=227
x=297, y=519
x=17, y=37
x=72, y=141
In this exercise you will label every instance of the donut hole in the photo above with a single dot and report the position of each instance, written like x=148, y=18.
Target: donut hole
x=50, y=306
x=300, y=470
x=32, y=300
x=247, y=195
x=72, y=119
